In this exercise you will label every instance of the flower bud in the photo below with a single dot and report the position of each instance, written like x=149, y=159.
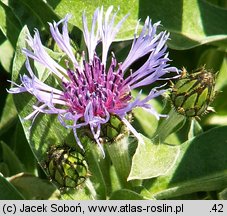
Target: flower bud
x=193, y=93
x=114, y=129
x=66, y=167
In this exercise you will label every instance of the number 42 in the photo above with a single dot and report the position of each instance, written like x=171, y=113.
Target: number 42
x=217, y=208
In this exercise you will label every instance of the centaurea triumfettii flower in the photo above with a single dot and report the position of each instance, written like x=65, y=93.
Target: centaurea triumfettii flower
x=92, y=91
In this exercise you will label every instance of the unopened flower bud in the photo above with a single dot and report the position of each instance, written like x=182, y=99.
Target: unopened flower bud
x=193, y=93
x=66, y=167
x=114, y=129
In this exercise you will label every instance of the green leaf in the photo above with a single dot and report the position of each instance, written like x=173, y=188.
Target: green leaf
x=114, y=181
x=223, y=195
x=9, y=114
x=212, y=58
x=10, y=25
x=29, y=186
x=152, y=160
x=6, y=55
x=10, y=158
x=34, y=14
x=8, y=191
x=79, y=194
x=217, y=120
x=23, y=150
x=192, y=22
x=4, y=169
x=79, y=6
x=19, y=59
x=125, y=194
x=141, y=190
x=201, y=166
x=95, y=161
x=219, y=3
x=10, y=126
x=222, y=74
x=119, y=152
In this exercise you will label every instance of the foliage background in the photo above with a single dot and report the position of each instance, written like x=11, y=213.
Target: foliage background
x=198, y=34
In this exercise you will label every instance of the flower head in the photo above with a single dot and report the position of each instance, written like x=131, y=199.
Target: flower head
x=92, y=91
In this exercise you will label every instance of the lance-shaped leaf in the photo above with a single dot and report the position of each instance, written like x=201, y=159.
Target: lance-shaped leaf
x=192, y=22
x=201, y=166
x=79, y=6
x=8, y=191
x=152, y=159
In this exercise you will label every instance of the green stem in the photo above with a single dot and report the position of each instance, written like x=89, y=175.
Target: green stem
x=119, y=154
x=171, y=124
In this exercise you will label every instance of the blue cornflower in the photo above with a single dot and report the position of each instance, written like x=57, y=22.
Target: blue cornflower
x=91, y=91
